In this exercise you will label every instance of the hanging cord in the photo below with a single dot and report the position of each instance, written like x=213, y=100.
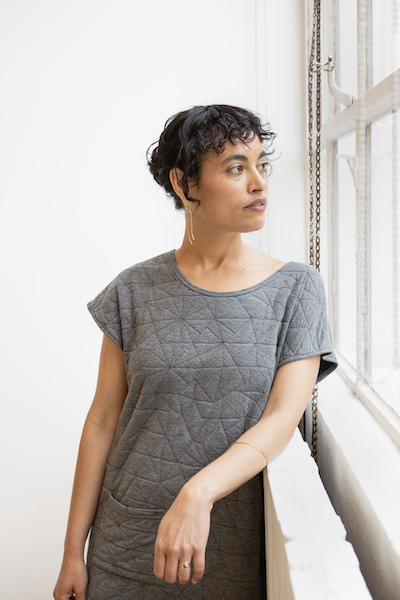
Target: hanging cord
x=361, y=207
x=395, y=189
x=315, y=216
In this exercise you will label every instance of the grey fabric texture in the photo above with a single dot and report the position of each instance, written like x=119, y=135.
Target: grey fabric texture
x=200, y=366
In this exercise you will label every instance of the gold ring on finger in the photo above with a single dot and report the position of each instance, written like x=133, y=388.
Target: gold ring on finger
x=184, y=566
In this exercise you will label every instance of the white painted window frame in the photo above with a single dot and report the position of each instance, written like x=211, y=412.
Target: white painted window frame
x=359, y=433
x=379, y=100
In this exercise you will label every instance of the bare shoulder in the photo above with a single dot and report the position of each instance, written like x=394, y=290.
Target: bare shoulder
x=264, y=264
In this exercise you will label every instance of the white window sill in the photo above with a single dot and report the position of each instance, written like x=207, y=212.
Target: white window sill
x=307, y=555
x=360, y=468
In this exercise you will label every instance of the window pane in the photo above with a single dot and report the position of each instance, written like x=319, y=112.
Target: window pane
x=324, y=248
x=346, y=53
x=385, y=38
x=345, y=291
x=384, y=261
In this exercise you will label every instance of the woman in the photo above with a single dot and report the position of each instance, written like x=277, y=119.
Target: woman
x=209, y=357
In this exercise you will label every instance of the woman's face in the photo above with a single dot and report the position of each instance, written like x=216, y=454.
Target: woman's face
x=232, y=189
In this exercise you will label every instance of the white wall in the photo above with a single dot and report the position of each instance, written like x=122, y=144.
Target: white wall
x=286, y=108
x=87, y=86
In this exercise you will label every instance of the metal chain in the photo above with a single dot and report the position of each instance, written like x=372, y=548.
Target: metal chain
x=310, y=136
x=315, y=220
x=318, y=140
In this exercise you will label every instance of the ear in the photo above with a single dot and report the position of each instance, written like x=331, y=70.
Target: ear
x=175, y=176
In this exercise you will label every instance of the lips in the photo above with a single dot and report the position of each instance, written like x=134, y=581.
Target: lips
x=258, y=205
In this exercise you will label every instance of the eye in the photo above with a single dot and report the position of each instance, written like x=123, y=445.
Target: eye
x=236, y=169
x=263, y=167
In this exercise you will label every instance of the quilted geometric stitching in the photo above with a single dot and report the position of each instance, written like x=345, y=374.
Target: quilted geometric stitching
x=200, y=366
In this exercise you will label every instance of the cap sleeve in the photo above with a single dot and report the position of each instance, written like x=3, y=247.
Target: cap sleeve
x=305, y=330
x=112, y=311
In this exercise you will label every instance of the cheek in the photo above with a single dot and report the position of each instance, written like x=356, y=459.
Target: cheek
x=219, y=191
x=214, y=194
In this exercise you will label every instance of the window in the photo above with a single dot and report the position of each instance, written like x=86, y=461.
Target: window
x=361, y=158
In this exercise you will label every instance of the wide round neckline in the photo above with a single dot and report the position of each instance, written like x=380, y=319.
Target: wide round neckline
x=189, y=284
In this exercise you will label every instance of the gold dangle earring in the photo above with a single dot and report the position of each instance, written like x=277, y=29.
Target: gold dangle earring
x=186, y=204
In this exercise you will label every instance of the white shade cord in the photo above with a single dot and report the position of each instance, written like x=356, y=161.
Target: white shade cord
x=361, y=137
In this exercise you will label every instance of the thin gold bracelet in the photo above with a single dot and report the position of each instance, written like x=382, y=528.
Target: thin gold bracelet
x=256, y=448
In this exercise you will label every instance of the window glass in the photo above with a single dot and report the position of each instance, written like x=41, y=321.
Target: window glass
x=385, y=258
x=345, y=291
x=385, y=38
x=346, y=53
x=375, y=356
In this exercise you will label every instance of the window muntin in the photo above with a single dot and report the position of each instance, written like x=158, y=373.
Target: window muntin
x=385, y=258
x=346, y=290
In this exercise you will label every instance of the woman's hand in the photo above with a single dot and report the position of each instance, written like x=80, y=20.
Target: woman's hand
x=72, y=581
x=182, y=537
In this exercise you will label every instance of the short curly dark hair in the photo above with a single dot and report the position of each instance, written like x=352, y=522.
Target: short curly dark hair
x=190, y=135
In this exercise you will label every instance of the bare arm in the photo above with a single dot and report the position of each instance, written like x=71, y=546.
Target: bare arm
x=97, y=437
x=183, y=532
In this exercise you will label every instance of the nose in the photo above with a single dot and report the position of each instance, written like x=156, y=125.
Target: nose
x=259, y=181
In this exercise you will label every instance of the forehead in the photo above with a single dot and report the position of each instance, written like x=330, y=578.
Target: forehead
x=251, y=149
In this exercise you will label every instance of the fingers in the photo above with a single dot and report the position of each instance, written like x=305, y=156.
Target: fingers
x=199, y=563
x=159, y=561
x=171, y=574
x=184, y=570
x=78, y=594
x=178, y=566
x=169, y=565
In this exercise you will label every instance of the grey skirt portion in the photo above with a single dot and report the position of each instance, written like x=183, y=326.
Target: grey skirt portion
x=121, y=553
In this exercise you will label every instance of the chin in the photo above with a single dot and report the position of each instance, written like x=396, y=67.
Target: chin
x=254, y=227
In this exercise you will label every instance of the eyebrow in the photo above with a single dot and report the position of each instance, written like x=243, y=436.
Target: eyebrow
x=241, y=157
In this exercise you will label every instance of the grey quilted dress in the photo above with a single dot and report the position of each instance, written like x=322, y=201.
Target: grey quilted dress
x=199, y=366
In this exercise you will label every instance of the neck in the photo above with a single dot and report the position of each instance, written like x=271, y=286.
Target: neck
x=212, y=251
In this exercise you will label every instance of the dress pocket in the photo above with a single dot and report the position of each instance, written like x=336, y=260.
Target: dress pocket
x=122, y=541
